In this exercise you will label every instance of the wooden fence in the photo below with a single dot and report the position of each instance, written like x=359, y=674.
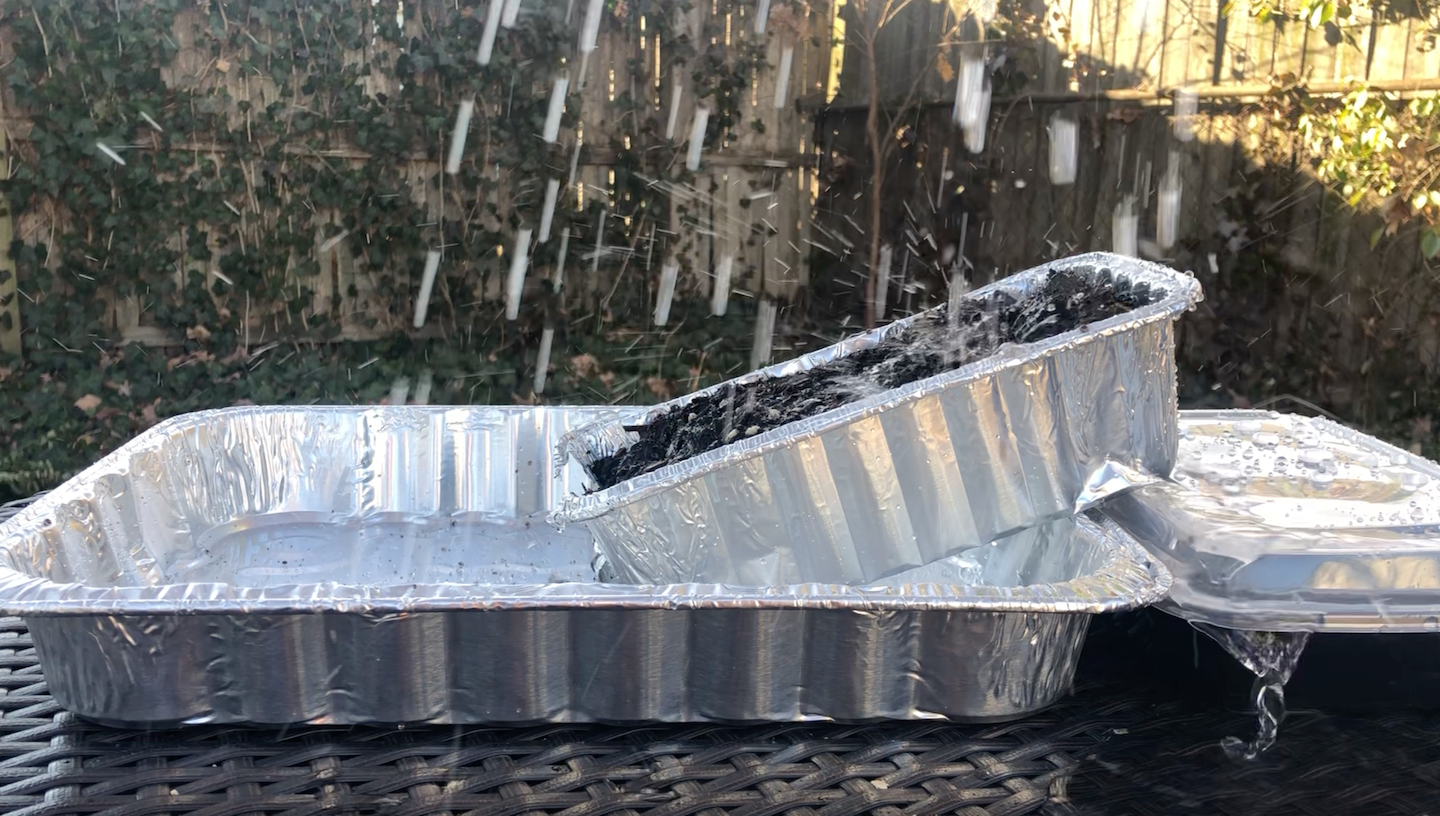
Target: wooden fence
x=769, y=194
x=749, y=199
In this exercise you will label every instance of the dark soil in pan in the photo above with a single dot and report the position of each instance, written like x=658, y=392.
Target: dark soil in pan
x=933, y=344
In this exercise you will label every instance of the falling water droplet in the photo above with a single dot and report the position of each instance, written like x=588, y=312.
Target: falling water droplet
x=762, y=15
x=1186, y=106
x=720, y=294
x=782, y=78
x=560, y=258
x=669, y=274
x=764, y=333
x=511, y=13
x=590, y=32
x=515, y=284
x=697, y=137
x=457, y=137
x=1064, y=149
x=542, y=359
x=882, y=281
x=556, y=110
x=492, y=25
x=1167, y=217
x=1125, y=228
x=547, y=213
x=427, y=284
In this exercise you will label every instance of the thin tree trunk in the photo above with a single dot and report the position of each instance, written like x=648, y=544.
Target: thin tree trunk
x=877, y=179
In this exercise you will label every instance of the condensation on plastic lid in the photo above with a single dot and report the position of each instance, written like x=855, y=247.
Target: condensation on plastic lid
x=1275, y=522
x=1295, y=472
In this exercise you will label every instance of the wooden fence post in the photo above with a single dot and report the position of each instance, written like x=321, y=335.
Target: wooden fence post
x=9, y=285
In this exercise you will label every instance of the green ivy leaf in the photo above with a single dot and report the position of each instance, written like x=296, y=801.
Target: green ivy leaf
x=1430, y=243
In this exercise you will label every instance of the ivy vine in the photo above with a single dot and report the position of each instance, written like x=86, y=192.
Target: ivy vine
x=180, y=163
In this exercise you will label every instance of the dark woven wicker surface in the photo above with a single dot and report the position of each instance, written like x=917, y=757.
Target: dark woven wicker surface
x=1140, y=736
x=1173, y=697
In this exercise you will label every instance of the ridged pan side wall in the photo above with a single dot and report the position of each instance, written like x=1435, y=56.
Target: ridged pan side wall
x=518, y=666
x=929, y=477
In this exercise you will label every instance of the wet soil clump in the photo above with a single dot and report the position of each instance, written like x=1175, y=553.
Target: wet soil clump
x=933, y=344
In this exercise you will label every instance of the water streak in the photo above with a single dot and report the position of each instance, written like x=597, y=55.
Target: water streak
x=697, y=138
x=782, y=79
x=669, y=274
x=764, y=334
x=1167, y=216
x=1125, y=228
x=1272, y=656
x=515, y=284
x=590, y=31
x=547, y=212
x=560, y=258
x=457, y=137
x=427, y=284
x=542, y=359
x=511, y=14
x=557, y=110
x=882, y=280
x=1064, y=150
x=1187, y=104
x=720, y=295
x=492, y=25
x=675, y=92
x=762, y=16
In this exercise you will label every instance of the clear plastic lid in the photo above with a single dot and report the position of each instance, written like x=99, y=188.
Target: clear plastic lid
x=1276, y=522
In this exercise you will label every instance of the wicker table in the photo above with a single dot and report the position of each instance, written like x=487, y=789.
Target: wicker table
x=1138, y=737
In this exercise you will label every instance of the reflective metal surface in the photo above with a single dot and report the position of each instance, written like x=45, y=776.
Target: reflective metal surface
x=352, y=565
x=900, y=479
x=1276, y=522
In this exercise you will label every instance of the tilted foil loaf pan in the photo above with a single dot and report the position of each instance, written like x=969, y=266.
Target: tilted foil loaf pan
x=392, y=565
x=1032, y=432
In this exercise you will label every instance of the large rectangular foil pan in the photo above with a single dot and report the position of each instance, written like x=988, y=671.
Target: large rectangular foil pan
x=914, y=474
x=393, y=565
x=1282, y=523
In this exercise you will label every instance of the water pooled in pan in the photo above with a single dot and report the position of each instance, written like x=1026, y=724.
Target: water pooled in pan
x=934, y=343
x=299, y=548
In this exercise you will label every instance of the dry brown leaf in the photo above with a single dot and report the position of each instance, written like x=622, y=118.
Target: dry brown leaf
x=584, y=365
x=943, y=66
x=198, y=333
x=88, y=403
x=660, y=387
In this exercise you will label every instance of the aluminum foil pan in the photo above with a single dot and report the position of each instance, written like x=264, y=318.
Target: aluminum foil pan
x=914, y=474
x=392, y=565
x=1282, y=523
